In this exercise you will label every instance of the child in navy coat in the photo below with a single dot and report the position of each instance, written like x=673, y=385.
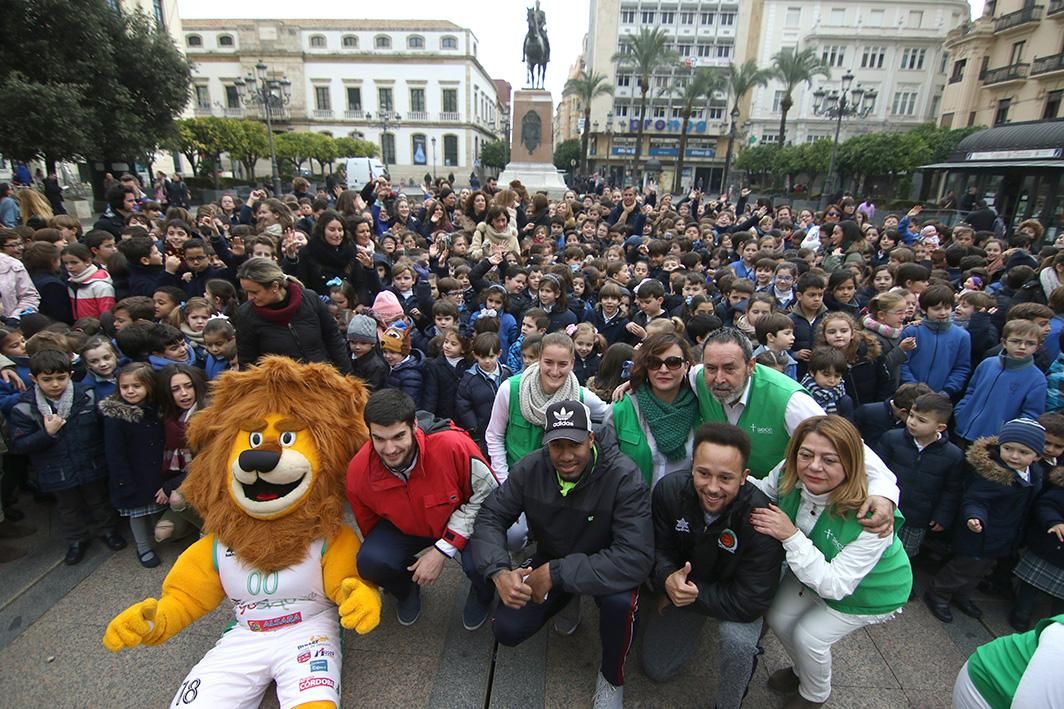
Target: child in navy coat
x=479, y=385
x=442, y=373
x=133, y=445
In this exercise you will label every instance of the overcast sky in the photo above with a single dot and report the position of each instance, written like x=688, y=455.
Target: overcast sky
x=499, y=25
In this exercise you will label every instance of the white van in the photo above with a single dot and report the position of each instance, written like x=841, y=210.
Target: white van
x=362, y=170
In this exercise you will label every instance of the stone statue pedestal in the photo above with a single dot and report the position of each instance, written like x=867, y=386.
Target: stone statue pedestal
x=533, y=125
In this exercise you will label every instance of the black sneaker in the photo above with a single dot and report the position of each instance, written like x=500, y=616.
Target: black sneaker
x=475, y=613
x=149, y=559
x=408, y=609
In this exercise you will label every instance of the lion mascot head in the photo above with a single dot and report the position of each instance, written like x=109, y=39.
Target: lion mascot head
x=271, y=452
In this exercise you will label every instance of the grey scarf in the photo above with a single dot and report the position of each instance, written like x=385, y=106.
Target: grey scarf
x=534, y=401
x=63, y=407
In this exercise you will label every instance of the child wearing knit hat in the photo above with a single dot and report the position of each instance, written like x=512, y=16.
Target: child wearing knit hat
x=404, y=361
x=366, y=361
x=1004, y=477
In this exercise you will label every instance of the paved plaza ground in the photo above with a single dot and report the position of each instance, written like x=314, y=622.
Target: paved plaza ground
x=53, y=616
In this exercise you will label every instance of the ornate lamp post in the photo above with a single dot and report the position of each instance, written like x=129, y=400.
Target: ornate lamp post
x=385, y=121
x=258, y=89
x=850, y=102
x=731, y=146
x=434, y=158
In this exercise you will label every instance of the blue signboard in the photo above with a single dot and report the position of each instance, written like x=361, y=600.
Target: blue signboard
x=663, y=151
x=700, y=153
x=623, y=150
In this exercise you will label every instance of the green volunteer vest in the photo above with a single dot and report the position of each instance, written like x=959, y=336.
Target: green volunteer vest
x=631, y=438
x=886, y=587
x=762, y=418
x=997, y=667
x=522, y=437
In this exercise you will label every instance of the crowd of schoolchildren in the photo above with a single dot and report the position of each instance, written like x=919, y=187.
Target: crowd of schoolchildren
x=942, y=344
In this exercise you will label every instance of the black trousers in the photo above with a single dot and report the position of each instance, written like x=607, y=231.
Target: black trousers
x=960, y=576
x=86, y=511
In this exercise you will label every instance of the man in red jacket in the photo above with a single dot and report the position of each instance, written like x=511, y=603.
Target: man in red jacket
x=417, y=491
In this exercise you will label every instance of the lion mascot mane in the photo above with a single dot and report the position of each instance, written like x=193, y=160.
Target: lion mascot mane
x=268, y=478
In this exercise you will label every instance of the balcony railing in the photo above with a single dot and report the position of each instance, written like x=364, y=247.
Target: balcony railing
x=1012, y=72
x=356, y=114
x=1032, y=13
x=234, y=112
x=1045, y=65
x=323, y=113
x=449, y=116
x=417, y=115
x=1056, y=8
x=202, y=110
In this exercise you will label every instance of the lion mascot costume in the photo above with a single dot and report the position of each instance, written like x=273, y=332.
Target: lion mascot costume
x=268, y=478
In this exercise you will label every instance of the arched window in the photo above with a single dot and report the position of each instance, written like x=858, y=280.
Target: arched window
x=350, y=41
x=415, y=42
x=225, y=40
x=448, y=42
x=382, y=41
x=194, y=40
x=317, y=41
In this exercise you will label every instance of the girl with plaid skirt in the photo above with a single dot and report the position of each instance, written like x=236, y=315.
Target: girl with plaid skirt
x=1041, y=568
x=133, y=446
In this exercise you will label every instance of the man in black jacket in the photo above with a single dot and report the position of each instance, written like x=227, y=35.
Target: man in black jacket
x=588, y=508
x=709, y=562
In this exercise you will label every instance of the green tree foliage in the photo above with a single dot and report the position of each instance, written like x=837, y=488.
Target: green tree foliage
x=495, y=154
x=355, y=148
x=322, y=148
x=293, y=148
x=695, y=91
x=585, y=87
x=565, y=153
x=248, y=143
x=759, y=160
x=794, y=68
x=202, y=140
x=117, y=74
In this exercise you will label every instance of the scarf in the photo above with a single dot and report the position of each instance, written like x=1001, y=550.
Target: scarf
x=335, y=258
x=85, y=275
x=936, y=325
x=196, y=338
x=534, y=401
x=62, y=407
x=870, y=323
x=283, y=312
x=671, y=424
x=827, y=398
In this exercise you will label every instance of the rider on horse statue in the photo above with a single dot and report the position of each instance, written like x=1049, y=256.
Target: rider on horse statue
x=537, y=47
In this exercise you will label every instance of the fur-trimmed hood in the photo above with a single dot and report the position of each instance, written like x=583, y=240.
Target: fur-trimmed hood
x=982, y=456
x=114, y=408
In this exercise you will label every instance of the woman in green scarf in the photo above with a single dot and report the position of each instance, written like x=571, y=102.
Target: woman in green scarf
x=655, y=420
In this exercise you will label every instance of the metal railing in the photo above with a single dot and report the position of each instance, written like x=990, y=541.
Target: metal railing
x=323, y=113
x=449, y=116
x=1012, y=72
x=234, y=112
x=356, y=114
x=417, y=115
x=1044, y=65
x=1031, y=13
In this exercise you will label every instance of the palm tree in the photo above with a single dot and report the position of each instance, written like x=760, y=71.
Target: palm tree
x=643, y=54
x=793, y=68
x=585, y=87
x=699, y=87
x=741, y=79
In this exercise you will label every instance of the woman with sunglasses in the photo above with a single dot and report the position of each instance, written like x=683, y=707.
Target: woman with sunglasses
x=655, y=420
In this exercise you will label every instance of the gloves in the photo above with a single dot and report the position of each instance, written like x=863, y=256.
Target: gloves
x=361, y=607
x=129, y=628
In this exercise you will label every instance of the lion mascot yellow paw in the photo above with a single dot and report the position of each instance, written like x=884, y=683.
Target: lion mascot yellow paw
x=268, y=478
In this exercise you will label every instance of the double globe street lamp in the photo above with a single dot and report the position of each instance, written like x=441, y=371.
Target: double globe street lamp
x=850, y=102
x=258, y=89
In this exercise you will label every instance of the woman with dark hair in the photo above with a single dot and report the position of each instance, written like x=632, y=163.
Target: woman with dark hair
x=282, y=317
x=474, y=212
x=434, y=219
x=331, y=254
x=840, y=577
x=614, y=369
x=841, y=239
x=41, y=260
x=656, y=418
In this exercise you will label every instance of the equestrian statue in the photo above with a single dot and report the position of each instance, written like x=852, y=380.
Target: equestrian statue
x=537, y=46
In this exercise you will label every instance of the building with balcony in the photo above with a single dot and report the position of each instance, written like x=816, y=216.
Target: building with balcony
x=895, y=48
x=346, y=74
x=703, y=34
x=1006, y=66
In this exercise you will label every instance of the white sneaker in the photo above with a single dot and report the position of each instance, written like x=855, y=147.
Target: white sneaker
x=568, y=619
x=607, y=696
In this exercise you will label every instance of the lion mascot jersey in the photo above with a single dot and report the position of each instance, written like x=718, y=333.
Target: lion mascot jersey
x=271, y=453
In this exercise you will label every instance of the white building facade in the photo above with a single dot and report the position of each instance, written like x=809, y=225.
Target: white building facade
x=345, y=74
x=703, y=34
x=895, y=48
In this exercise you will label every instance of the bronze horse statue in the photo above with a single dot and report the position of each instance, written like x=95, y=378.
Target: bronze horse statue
x=536, y=48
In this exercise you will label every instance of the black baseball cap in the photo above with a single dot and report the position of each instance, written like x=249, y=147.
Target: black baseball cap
x=570, y=420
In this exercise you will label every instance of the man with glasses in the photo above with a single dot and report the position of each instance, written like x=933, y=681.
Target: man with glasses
x=1005, y=387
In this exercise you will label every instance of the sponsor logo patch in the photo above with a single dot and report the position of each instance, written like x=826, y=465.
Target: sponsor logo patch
x=682, y=525
x=319, y=665
x=312, y=682
x=728, y=541
x=303, y=657
x=260, y=626
x=324, y=652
